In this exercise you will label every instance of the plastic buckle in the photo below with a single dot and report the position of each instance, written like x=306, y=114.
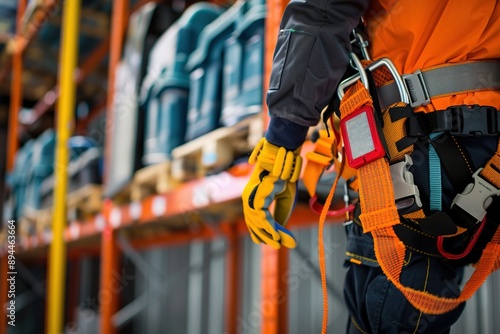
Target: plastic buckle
x=475, y=198
x=416, y=88
x=406, y=193
x=473, y=121
x=361, y=139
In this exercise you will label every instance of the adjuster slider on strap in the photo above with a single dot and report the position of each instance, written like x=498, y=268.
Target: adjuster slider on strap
x=475, y=198
x=406, y=193
x=417, y=90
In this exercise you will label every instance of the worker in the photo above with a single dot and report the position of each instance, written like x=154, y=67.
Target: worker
x=458, y=110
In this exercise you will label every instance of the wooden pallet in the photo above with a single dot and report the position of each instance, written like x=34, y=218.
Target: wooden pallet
x=123, y=196
x=44, y=220
x=27, y=226
x=216, y=149
x=3, y=235
x=154, y=179
x=84, y=202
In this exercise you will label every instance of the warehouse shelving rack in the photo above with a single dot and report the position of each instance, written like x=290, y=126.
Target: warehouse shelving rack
x=174, y=217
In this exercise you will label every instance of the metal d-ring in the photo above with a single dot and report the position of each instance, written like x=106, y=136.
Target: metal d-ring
x=403, y=93
x=364, y=79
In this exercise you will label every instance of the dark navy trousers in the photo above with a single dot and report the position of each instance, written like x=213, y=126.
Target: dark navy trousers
x=375, y=305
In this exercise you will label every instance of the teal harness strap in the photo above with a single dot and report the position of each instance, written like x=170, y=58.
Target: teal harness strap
x=435, y=186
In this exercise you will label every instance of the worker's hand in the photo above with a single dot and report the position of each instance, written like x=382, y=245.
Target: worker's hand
x=273, y=179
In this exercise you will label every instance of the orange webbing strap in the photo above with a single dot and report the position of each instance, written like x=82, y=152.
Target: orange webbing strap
x=325, y=153
x=321, y=251
x=491, y=171
x=379, y=214
x=317, y=160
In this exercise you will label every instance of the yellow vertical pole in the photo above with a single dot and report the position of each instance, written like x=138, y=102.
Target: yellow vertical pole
x=65, y=107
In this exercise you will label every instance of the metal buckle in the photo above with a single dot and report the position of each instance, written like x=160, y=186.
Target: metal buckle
x=416, y=88
x=475, y=198
x=406, y=193
x=364, y=79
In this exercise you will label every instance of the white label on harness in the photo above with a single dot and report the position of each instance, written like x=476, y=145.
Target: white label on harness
x=359, y=135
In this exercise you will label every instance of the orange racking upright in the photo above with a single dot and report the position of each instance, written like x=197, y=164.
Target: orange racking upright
x=274, y=263
x=109, y=249
x=16, y=90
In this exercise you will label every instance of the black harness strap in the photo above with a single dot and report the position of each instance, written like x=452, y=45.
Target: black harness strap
x=454, y=160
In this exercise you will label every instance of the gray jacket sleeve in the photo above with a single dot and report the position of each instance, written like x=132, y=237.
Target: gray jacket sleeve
x=311, y=56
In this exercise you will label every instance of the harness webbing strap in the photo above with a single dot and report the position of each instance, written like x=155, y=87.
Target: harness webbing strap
x=317, y=160
x=379, y=214
x=435, y=187
x=491, y=171
x=454, y=160
x=444, y=81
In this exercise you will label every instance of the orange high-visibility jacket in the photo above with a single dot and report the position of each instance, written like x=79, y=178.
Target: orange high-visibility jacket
x=426, y=33
x=313, y=45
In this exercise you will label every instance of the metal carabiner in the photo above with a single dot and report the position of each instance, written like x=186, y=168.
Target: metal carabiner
x=352, y=79
x=362, y=43
x=373, y=66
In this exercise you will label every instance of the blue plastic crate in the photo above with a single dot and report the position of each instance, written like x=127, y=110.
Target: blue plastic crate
x=43, y=153
x=85, y=167
x=167, y=118
x=43, y=163
x=244, y=68
x=164, y=95
x=20, y=176
x=206, y=72
x=8, y=9
x=232, y=79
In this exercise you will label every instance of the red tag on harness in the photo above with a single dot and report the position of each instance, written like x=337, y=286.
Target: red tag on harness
x=361, y=139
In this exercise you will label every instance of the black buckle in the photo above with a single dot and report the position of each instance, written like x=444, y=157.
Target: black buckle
x=473, y=121
x=462, y=120
x=416, y=125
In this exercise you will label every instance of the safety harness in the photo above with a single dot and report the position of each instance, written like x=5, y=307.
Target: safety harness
x=378, y=131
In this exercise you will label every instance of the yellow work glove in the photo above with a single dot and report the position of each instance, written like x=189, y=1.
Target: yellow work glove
x=273, y=179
